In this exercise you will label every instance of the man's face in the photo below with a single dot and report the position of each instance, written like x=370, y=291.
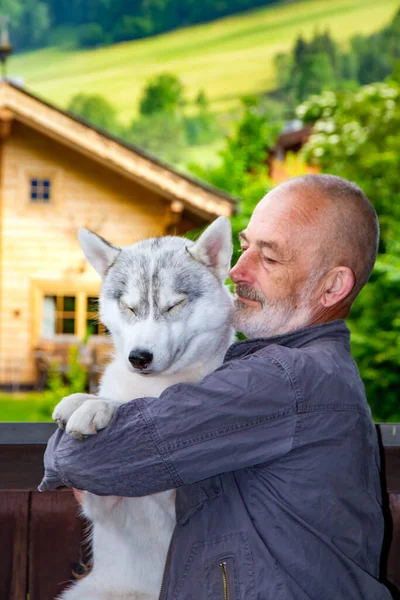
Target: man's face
x=275, y=276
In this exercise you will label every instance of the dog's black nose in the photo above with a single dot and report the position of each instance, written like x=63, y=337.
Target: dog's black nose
x=140, y=359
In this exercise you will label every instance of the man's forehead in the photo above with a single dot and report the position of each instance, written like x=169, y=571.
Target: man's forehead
x=289, y=210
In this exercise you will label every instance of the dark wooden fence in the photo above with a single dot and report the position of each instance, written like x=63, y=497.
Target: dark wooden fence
x=41, y=536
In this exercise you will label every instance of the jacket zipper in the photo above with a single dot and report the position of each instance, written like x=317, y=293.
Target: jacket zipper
x=222, y=566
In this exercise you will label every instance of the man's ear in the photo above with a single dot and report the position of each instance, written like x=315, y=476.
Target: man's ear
x=99, y=253
x=338, y=285
x=214, y=247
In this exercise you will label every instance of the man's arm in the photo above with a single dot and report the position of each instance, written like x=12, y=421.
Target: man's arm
x=241, y=415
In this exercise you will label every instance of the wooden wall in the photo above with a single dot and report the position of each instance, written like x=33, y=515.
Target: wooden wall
x=39, y=242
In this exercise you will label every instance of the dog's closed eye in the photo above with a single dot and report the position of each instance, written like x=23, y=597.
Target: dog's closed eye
x=176, y=305
x=124, y=306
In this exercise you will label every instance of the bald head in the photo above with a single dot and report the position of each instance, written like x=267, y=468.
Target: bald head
x=343, y=219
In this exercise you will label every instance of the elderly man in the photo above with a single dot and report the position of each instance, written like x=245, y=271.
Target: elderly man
x=280, y=477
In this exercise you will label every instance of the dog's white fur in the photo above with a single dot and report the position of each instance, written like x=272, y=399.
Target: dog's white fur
x=131, y=535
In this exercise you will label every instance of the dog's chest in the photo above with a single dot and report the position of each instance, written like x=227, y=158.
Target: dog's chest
x=152, y=518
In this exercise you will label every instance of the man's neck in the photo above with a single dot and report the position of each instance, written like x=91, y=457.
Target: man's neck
x=331, y=313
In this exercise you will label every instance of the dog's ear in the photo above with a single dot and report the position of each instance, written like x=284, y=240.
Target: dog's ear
x=99, y=253
x=214, y=247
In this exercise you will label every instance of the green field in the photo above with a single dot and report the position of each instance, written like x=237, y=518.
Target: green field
x=228, y=58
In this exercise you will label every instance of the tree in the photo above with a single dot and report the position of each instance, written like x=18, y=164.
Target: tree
x=13, y=9
x=244, y=171
x=118, y=20
x=315, y=76
x=300, y=50
x=201, y=127
x=95, y=109
x=30, y=21
x=90, y=35
x=357, y=136
x=163, y=94
x=160, y=134
x=310, y=68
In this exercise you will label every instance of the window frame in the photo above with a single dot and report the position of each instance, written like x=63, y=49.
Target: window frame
x=42, y=288
x=36, y=171
x=40, y=190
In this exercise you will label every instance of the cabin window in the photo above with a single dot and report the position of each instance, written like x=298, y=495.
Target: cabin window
x=93, y=325
x=59, y=315
x=62, y=314
x=40, y=191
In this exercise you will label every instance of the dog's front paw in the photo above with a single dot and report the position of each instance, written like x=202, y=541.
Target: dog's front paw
x=90, y=418
x=67, y=406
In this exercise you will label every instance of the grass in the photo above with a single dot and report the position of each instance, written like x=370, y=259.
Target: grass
x=228, y=58
x=22, y=407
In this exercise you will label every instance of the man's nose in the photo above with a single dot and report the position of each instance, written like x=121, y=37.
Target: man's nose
x=242, y=270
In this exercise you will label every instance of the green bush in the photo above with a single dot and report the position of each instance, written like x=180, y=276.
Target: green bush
x=74, y=381
x=357, y=136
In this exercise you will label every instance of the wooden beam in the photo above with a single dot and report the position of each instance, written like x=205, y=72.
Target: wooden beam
x=6, y=120
x=173, y=216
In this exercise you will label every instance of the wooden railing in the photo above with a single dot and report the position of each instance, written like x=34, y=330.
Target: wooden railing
x=41, y=535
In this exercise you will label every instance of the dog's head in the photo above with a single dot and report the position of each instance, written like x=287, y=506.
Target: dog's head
x=164, y=299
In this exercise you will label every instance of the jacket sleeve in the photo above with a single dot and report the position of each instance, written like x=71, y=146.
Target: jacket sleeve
x=241, y=415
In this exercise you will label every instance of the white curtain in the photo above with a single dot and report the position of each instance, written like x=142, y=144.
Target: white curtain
x=49, y=317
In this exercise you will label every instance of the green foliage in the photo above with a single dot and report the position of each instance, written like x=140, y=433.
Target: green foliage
x=90, y=34
x=243, y=171
x=318, y=65
x=162, y=94
x=162, y=127
x=375, y=328
x=30, y=20
x=316, y=75
x=376, y=54
x=105, y=21
x=311, y=67
x=96, y=110
x=161, y=134
x=357, y=136
x=74, y=381
x=201, y=127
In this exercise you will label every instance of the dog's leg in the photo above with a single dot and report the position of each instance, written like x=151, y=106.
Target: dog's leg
x=91, y=417
x=96, y=508
x=67, y=406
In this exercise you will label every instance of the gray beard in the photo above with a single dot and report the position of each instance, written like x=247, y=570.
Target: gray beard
x=272, y=319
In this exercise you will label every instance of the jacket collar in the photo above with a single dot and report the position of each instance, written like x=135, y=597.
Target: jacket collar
x=334, y=330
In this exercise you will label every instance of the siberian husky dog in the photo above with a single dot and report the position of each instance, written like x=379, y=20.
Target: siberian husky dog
x=169, y=313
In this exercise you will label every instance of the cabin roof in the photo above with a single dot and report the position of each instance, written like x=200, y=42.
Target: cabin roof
x=127, y=159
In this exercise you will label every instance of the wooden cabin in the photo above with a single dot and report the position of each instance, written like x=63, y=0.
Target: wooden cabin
x=284, y=160
x=57, y=174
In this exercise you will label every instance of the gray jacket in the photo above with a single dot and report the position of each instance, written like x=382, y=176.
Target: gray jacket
x=276, y=461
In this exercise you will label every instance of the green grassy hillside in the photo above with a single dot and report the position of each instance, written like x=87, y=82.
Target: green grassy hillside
x=228, y=58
